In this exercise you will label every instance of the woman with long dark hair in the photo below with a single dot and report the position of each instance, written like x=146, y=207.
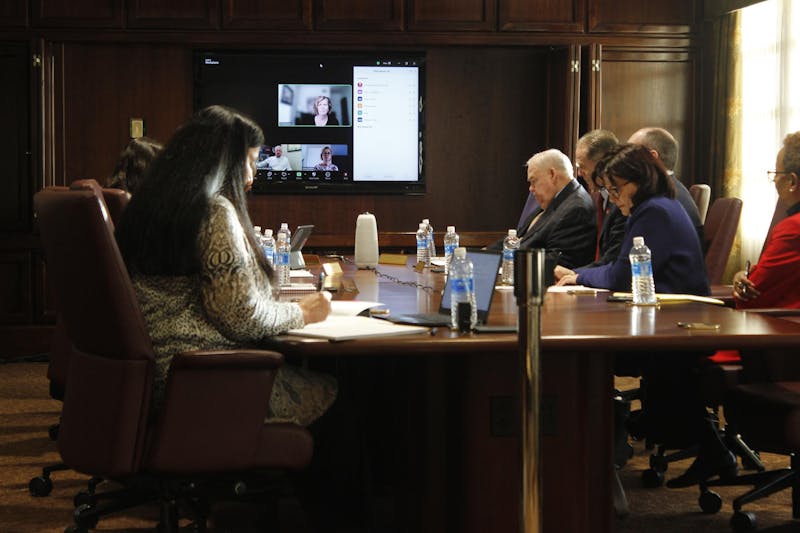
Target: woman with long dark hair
x=199, y=275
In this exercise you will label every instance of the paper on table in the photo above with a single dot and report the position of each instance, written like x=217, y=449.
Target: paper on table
x=351, y=307
x=676, y=298
x=342, y=328
x=300, y=273
x=575, y=289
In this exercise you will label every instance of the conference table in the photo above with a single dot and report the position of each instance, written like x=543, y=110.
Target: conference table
x=461, y=444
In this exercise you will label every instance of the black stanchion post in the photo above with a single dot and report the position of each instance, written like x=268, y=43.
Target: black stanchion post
x=529, y=289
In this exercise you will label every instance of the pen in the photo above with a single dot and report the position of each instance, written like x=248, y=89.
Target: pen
x=321, y=281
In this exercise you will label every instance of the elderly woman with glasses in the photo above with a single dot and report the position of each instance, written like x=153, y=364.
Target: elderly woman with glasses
x=775, y=280
x=640, y=187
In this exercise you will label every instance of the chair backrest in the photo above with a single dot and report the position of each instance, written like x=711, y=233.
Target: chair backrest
x=104, y=419
x=701, y=194
x=720, y=228
x=61, y=346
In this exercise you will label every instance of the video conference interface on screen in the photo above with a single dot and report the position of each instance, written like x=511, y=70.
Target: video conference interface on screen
x=336, y=119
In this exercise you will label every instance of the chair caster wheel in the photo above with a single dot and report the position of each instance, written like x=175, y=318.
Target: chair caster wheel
x=743, y=521
x=709, y=501
x=83, y=517
x=652, y=478
x=84, y=497
x=40, y=486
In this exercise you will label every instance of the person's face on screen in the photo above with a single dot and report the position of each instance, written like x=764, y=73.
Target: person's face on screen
x=323, y=107
x=250, y=168
x=541, y=183
x=278, y=151
x=326, y=155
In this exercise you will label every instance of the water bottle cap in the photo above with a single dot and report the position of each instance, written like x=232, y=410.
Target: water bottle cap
x=426, y=221
x=284, y=225
x=268, y=232
x=460, y=252
x=451, y=229
x=257, y=228
x=512, y=233
x=422, y=225
x=638, y=241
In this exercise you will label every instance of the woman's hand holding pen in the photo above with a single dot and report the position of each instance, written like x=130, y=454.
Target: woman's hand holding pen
x=743, y=288
x=316, y=307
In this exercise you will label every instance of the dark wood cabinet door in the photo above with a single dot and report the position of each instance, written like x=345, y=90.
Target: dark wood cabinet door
x=175, y=14
x=542, y=15
x=69, y=13
x=452, y=15
x=359, y=15
x=15, y=141
x=653, y=88
x=14, y=14
x=677, y=16
x=266, y=14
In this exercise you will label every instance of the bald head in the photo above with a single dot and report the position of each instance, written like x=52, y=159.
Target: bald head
x=660, y=142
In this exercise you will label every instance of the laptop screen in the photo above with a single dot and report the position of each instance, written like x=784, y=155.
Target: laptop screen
x=486, y=264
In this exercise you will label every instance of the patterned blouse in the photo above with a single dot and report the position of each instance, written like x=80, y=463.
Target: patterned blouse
x=229, y=305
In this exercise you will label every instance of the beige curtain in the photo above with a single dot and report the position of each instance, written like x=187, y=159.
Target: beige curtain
x=725, y=168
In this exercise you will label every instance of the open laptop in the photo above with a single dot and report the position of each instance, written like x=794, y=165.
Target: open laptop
x=486, y=264
x=299, y=238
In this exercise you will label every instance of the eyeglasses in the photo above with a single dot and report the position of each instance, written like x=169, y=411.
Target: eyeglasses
x=772, y=175
x=614, y=189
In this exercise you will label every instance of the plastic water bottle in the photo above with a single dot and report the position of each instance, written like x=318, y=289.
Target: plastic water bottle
x=282, y=260
x=431, y=242
x=450, y=244
x=510, y=247
x=268, y=243
x=285, y=230
x=423, y=252
x=463, y=309
x=642, y=285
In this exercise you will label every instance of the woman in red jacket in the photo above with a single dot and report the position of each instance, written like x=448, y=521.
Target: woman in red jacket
x=775, y=280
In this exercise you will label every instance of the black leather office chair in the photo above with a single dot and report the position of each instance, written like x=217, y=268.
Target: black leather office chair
x=208, y=438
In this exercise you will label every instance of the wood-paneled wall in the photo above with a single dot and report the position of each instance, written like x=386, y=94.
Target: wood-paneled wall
x=504, y=80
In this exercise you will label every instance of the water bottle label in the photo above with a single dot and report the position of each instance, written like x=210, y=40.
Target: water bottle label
x=448, y=249
x=422, y=244
x=646, y=269
x=460, y=286
x=508, y=254
x=635, y=270
x=283, y=259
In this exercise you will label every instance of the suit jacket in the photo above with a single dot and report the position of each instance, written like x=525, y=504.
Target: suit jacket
x=611, y=237
x=777, y=273
x=678, y=263
x=567, y=229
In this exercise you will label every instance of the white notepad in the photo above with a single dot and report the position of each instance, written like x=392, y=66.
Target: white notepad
x=342, y=328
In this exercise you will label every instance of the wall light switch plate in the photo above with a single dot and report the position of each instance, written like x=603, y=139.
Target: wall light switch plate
x=137, y=128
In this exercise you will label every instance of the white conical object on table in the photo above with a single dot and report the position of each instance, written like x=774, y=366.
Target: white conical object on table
x=366, y=241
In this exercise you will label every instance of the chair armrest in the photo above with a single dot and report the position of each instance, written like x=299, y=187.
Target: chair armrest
x=213, y=412
x=210, y=359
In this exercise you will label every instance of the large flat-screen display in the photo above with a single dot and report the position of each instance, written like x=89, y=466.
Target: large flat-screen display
x=334, y=123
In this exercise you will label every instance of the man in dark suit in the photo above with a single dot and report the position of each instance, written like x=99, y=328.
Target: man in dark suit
x=663, y=146
x=565, y=223
x=590, y=149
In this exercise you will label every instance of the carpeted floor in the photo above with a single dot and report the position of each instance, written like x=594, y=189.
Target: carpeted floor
x=26, y=411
